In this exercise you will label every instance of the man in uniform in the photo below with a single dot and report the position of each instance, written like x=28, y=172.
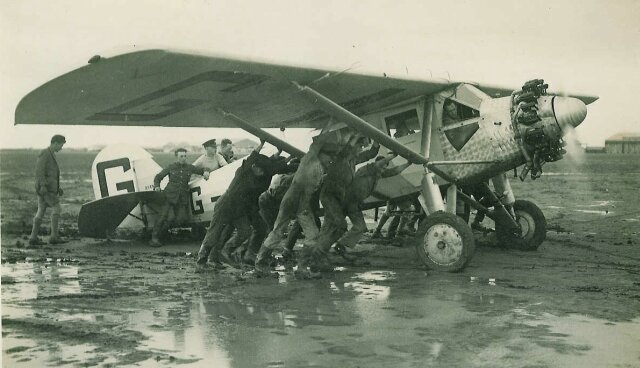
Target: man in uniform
x=211, y=160
x=48, y=191
x=238, y=207
x=176, y=192
x=298, y=201
x=339, y=176
x=363, y=184
x=226, y=150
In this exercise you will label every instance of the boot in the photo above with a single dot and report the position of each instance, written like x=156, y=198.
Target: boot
x=263, y=262
x=155, y=235
x=341, y=250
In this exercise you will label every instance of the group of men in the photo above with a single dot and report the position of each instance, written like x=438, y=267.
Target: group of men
x=48, y=190
x=251, y=218
x=176, y=192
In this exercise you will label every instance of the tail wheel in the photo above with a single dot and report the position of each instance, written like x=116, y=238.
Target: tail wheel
x=445, y=242
x=532, y=227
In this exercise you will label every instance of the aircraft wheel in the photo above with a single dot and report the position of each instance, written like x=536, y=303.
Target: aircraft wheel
x=445, y=242
x=532, y=227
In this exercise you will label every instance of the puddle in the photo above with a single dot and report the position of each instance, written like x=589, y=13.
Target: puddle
x=368, y=319
x=23, y=352
x=483, y=280
x=589, y=342
x=39, y=280
x=599, y=204
x=596, y=212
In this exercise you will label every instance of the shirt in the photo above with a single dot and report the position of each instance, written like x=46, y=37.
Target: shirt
x=210, y=163
x=177, y=190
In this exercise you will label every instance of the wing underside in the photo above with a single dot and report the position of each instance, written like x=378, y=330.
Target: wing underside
x=161, y=88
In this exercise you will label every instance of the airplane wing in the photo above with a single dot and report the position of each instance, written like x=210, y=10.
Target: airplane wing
x=164, y=88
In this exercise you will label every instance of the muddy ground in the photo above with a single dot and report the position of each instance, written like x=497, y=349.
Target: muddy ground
x=573, y=303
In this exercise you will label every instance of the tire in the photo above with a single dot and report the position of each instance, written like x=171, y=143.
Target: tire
x=533, y=228
x=444, y=242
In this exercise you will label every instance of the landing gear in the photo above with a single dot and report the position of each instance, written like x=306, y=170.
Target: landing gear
x=532, y=227
x=444, y=242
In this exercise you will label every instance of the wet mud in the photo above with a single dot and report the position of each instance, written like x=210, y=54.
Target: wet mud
x=573, y=303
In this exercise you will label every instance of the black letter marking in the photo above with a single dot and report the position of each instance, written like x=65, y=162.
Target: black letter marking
x=238, y=80
x=196, y=205
x=102, y=178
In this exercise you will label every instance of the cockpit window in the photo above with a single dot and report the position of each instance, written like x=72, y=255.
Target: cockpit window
x=402, y=124
x=453, y=112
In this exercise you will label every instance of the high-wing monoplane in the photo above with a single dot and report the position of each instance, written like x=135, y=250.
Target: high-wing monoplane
x=461, y=135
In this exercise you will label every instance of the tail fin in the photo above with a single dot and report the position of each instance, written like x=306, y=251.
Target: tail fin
x=122, y=168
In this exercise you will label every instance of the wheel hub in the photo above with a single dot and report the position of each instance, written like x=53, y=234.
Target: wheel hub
x=526, y=223
x=443, y=244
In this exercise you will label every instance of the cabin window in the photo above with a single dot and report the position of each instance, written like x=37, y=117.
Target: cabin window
x=402, y=124
x=453, y=112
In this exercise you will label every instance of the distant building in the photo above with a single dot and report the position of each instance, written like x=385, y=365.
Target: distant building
x=593, y=149
x=623, y=143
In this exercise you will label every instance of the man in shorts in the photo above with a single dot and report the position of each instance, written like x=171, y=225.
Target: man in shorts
x=48, y=191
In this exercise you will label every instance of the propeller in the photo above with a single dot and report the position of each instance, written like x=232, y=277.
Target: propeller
x=570, y=112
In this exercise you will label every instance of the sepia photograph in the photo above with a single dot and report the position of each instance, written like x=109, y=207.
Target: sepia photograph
x=335, y=183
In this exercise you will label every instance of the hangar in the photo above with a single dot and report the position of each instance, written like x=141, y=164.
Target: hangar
x=623, y=143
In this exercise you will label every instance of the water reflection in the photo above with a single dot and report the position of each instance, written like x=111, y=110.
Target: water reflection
x=377, y=318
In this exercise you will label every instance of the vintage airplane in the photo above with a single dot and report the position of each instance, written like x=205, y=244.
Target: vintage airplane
x=496, y=129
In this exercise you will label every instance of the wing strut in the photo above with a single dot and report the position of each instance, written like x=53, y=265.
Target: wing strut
x=361, y=126
x=245, y=125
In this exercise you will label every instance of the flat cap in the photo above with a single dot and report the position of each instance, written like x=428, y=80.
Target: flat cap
x=58, y=139
x=210, y=143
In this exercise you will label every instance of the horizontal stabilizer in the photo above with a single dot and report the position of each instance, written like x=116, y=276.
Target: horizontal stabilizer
x=101, y=216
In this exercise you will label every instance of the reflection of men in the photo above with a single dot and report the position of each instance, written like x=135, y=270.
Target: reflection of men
x=211, y=160
x=226, y=150
x=48, y=190
x=176, y=192
x=450, y=113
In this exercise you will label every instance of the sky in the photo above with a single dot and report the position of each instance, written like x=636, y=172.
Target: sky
x=587, y=47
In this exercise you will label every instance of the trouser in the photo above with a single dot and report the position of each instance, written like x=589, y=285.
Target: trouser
x=480, y=193
x=333, y=227
x=400, y=221
x=358, y=227
x=296, y=204
x=269, y=212
x=218, y=230
x=170, y=213
x=385, y=217
x=256, y=235
x=268, y=209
